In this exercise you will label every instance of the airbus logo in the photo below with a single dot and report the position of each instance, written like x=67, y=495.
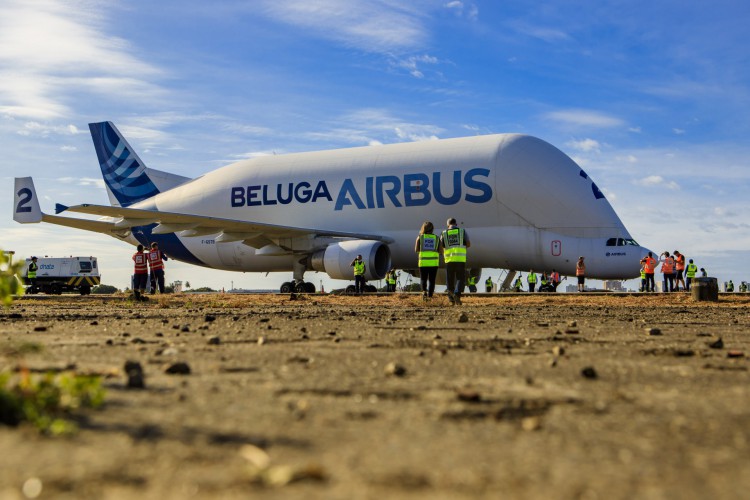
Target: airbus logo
x=409, y=190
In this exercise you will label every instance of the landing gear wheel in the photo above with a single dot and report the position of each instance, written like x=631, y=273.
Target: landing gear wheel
x=287, y=287
x=300, y=287
x=350, y=289
x=309, y=287
x=371, y=288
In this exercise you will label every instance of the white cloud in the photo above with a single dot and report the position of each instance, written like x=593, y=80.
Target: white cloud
x=657, y=181
x=678, y=131
x=411, y=64
x=550, y=35
x=379, y=26
x=68, y=148
x=584, y=118
x=462, y=10
x=585, y=145
x=48, y=48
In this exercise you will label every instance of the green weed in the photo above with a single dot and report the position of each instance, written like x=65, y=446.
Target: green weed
x=48, y=402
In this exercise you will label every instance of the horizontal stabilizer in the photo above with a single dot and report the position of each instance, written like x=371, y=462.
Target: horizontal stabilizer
x=60, y=208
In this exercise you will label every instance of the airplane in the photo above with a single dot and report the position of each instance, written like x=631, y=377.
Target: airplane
x=524, y=204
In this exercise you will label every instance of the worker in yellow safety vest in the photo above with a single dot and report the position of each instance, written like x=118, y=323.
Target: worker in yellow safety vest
x=453, y=244
x=531, y=280
x=359, y=274
x=428, y=261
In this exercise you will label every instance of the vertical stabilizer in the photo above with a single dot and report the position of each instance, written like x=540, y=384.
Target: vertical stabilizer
x=25, y=203
x=125, y=174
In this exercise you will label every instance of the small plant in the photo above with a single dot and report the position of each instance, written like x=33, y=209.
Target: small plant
x=48, y=401
x=10, y=284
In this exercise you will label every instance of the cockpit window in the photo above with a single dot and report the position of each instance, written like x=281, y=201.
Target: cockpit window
x=621, y=242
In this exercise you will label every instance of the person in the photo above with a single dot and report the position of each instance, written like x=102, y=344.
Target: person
x=428, y=258
x=390, y=280
x=359, y=275
x=649, y=266
x=140, y=274
x=156, y=263
x=531, y=280
x=453, y=244
x=555, y=278
x=643, y=279
x=472, y=282
x=679, y=266
x=667, y=269
x=690, y=271
x=581, y=274
x=488, y=284
x=743, y=287
x=31, y=274
x=704, y=274
x=517, y=284
x=730, y=286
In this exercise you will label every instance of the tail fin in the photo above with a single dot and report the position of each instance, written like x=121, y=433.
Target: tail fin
x=25, y=203
x=126, y=177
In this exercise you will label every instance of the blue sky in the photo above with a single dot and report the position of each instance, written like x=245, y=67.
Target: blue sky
x=652, y=99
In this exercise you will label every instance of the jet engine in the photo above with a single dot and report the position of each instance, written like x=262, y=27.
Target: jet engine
x=336, y=260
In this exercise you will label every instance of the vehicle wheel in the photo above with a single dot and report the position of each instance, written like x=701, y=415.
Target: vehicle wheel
x=350, y=289
x=371, y=288
x=85, y=290
x=309, y=287
x=55, y=289
x=299, y=287
x=287, y=287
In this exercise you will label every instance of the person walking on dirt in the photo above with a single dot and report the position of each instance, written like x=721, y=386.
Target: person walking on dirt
x=531, y=280
x=472, y=282
x=31, y=274
x=667, y=269
x=581, y=274
x=679, y=266
x=488, y=284
x=359, y=275
x=140, y=274
x=649, y=266
x=156, y=262
x=453, y=244
x=690, y=271
x=428, y=258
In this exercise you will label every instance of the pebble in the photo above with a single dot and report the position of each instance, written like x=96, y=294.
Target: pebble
x=572, y=323
x=261, y=340
x=463, y=318
x=719, y=344
x=215, y=340
x=653, y=331
x=40, y=328
x=531, y=423
x=180, y=368
x=735, y=354
x=185, y=328
x=469, y=396
x=589, y=372
x=210, y=317
x=395, y=369
x=571, y=331
x=558, y=351
x=134, y=371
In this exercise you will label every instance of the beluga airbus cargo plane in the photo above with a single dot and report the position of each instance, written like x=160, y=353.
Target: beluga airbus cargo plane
x=524, y=203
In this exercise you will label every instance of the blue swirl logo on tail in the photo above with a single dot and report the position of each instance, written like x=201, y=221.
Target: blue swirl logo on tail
x=124, y=172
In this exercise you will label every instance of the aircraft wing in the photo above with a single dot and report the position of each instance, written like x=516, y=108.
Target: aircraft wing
x=255, y=234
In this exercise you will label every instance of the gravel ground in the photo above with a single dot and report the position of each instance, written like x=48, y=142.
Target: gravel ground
x=515, y=396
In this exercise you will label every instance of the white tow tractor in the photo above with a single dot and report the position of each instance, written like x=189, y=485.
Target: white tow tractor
x=56, y=275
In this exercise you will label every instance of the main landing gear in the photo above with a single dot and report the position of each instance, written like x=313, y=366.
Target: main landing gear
x=299, y=285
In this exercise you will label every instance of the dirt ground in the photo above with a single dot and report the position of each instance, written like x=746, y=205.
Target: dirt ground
x=564, y=396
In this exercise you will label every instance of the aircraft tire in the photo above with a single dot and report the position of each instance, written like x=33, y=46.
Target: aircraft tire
x=309, y=287
x=350, y=289
x=371, y=288
x=286, y=287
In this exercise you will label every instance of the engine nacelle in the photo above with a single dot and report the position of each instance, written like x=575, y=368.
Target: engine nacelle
x=336, y=260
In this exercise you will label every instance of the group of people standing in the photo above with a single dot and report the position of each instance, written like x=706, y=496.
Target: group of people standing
x=452, y=243
x=674, y=269
x=152, y=260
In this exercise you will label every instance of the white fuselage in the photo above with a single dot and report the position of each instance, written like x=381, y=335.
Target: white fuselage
x=524, y=204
